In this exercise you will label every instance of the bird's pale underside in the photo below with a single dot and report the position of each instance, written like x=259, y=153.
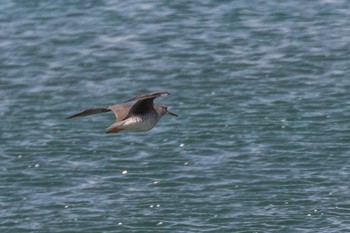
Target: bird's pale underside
x=143, y=115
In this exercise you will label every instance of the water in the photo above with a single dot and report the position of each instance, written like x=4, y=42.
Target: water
x=262, y=139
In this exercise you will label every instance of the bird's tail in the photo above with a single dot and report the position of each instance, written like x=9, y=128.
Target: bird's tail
x=116, y=127
x=90, y=111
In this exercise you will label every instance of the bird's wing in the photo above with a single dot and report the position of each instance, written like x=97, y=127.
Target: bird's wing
x=90, y=111
x=149, y=96
x=144, y=102
x=120, y=111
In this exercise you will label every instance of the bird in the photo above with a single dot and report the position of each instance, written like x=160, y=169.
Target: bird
x=141, y=116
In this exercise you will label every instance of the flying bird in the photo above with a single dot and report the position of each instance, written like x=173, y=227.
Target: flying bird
x=143, y=115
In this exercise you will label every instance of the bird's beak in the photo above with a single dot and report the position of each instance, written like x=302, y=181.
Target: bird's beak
x=171, y=113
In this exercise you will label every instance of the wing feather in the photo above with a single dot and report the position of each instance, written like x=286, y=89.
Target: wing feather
x=90, y=111
x=120, y=111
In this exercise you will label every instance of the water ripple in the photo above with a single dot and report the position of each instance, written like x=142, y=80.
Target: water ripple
x=260, y=144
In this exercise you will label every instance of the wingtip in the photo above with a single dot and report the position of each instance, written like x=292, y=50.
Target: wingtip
x=160, y=93
x=153, y=94
x=72, y=116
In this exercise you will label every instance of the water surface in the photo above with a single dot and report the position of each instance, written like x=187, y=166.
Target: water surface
x=261, y=143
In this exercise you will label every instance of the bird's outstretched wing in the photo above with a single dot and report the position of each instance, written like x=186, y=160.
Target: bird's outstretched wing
x=120, y=111
x=90, y=111
x=144, y=103
x=149, y=96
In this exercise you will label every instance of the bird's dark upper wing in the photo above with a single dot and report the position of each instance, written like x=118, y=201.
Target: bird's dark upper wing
x=144, y=102
x=149, y=96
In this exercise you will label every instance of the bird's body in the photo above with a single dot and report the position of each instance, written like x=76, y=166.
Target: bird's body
x=141, y=116
x=135, y=123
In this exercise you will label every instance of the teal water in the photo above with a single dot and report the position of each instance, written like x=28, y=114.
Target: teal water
x=261, y=143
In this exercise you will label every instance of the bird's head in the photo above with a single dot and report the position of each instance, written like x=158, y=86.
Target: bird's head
x=162, y=110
